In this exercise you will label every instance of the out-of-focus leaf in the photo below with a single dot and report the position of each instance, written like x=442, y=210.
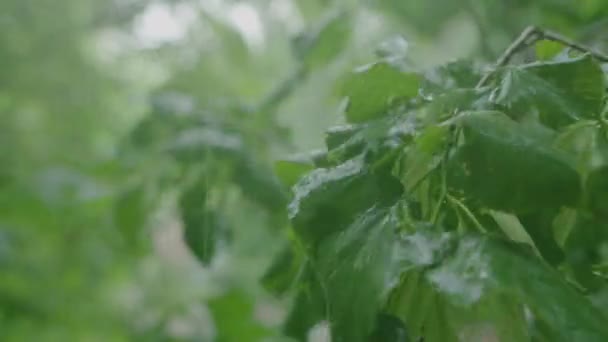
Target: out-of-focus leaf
x=258, y=183
x=131, y=213
x=372, y=89
x=393, y=49
x=229, y=38
x=547, y=49
x=324, y=43
x=287, y=268
x=234, y=316
x=558, y=92
x=201, y=226
x=289, y=171
x=255, y=180
x=338, y=135
x=195, y=143
x=512, y=167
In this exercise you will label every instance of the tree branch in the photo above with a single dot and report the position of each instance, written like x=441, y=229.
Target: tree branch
x=530, y=36
x=549, y=35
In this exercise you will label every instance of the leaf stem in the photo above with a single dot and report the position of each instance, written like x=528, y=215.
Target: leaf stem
x=468, y=212
x=556, y=37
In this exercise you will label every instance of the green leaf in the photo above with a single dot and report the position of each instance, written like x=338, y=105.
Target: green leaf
x=328, y=199
x=374, y=138
x=454, y=75
x=231, y=40
x=597, y=185
x=512, y=227
x=559, y=93
x=258, y=183
x=372, y=89
x=325, y=42
x=339, y=135
x=424, y=155
x=131, y=212
x=422, y=308
x=483, y=265
x=308, y=309
x=202, y=227
x=539, y=225
x=583, y=247
x=547, y=49
x=287, y=268
x=289, y=171
x=193, y=144
x=512, y=167
x=354, y=268
x=389, y=329
x=233, y=314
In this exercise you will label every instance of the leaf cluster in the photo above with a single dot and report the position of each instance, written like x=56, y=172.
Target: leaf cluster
x=447, y=211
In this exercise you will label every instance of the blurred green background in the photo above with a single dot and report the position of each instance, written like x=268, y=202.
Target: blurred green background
x=124, y=121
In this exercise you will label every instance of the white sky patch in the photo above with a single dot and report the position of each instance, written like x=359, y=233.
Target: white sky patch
x=289, y=15
x=247, y=21
x=161, y=23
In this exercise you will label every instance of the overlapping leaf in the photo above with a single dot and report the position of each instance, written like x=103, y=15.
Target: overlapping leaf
x=559, y=93
x=512, y=167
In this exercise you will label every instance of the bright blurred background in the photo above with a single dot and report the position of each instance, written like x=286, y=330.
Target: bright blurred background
x=123, y=121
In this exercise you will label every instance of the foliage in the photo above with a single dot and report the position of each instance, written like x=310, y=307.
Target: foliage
x=141, y=198
x=462, y=212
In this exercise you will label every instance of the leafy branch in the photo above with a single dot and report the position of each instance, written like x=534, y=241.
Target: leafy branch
x=531, y=35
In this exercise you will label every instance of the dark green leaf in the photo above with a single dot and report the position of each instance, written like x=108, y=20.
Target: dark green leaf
x=258, y=183
x=202, y=227
x=326, y=200
x=483, y=265
x=287, y=268
x=512, y=167
x=389, y=329
x=355, y=268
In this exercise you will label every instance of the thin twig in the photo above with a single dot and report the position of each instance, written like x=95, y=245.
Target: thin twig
x=556, y=37
x=527, y=37
x=467, y=212
x=282, y=91
x=530, y=36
